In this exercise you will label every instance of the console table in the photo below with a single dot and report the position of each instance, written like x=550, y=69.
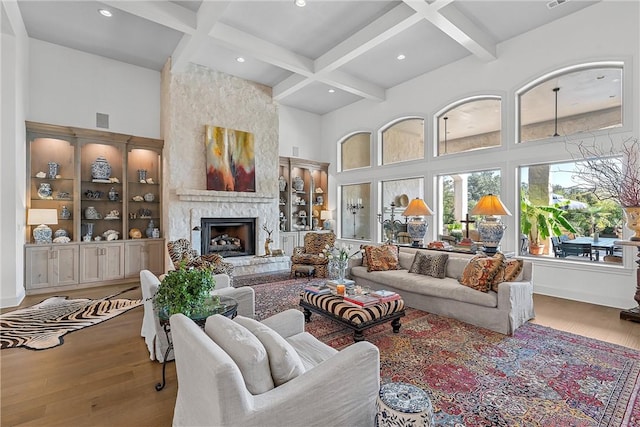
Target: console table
x=632, y=314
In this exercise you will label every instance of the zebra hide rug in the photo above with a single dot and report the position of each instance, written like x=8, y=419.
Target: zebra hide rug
x=43, y=325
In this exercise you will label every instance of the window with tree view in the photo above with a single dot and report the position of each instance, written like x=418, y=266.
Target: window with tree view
x=459, y=194
x=563, y=216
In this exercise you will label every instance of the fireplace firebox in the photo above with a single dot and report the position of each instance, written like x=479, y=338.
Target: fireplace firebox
x=228, y=237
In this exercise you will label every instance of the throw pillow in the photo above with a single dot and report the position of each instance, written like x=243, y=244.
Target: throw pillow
x=381, y=258
x=430, y=265
x=480, y=271
x=245, y=349
x=508, y=272
x=283, y=359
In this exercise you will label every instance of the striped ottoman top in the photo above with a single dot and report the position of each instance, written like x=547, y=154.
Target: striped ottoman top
x=356, y=315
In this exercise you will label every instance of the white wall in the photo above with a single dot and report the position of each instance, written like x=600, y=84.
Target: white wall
x=303, y=130
x=69, y=87
x=14, y=91
x=605, y=31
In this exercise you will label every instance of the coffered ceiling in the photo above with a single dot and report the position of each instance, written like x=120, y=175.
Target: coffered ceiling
x=317, y=58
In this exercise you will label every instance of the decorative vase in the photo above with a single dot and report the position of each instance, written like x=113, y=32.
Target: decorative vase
x=156, y=233
x=142, y=175
x=282, y=183
x=632, y=216
x=65, y=213
x=113, y=195
x=91, y=213
x=45, y=191
x=100, y=169
x=149, y=230
x=53, y=170
x=298, y=184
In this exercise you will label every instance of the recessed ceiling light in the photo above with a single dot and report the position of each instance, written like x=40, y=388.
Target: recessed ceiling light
x=105, y=12
x=401, y=57
x=332, y=91
x=300, y=3
x=240, y=59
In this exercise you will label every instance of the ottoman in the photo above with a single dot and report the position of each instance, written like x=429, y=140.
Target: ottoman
x=401, y=404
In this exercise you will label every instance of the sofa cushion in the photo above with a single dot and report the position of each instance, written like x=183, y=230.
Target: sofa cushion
x=430, y=265
x=456, y=265
x=284, y=362
x=405, y=260
x=480, y=271
x=245, y=349
x=381, y=258
x=509, y=271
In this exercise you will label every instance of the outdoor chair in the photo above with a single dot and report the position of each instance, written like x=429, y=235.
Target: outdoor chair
x=578, y=249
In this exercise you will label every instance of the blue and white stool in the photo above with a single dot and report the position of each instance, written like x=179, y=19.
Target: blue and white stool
x=401, y=404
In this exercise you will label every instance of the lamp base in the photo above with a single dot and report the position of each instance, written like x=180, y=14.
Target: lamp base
x=417, y=228
x=42, y=234
x=490, y=250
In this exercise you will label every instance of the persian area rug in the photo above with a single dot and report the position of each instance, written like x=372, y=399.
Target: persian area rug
x=43, y=325
x=475, y=377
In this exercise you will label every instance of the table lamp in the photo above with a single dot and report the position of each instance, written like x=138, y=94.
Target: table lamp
x=41, y=217
x=490, y=229
x=417, y=226
x=327, y=220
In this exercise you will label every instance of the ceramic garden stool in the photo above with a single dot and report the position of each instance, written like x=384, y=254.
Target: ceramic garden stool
x=401, y=404
x=304, y=270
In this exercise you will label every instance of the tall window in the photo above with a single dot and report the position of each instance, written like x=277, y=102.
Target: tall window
x=356, y=201
x=459, y=193
x=585, y=98
x=403, y=141
x=469, y=124
x=355, y=151
x=559, y=185
x=399, y=192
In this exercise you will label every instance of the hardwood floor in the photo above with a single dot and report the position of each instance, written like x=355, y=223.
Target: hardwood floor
x=102, y=375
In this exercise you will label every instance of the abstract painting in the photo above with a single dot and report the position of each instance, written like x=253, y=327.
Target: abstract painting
x=230, y=160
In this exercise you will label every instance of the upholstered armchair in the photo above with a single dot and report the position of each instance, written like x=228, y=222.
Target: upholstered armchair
x=271, y=373
x=180, y=251
x=311, y=252
x=152, y=331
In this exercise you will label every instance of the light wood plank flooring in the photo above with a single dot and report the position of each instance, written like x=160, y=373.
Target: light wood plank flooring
x=102, y=375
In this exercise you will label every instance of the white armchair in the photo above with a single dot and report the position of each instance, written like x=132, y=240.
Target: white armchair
x=332, y=389
x=152, y=331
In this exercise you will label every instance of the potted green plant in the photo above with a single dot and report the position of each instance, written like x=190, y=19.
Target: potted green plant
x=185, y=290
x=541, y=222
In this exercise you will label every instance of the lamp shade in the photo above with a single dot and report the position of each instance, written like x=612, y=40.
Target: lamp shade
x=325, y=215
x=417, y=207
x=42, y=216
x=490, y=205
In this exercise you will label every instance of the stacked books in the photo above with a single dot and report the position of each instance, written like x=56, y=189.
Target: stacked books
x=361, y=300
x=317, y=289
x=385, y=296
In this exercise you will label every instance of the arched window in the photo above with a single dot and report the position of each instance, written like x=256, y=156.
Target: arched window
x=582, y=98
x=403, y=140
x=469, y=124
x=355, y=151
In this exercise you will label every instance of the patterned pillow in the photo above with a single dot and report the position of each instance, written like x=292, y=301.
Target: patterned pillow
x=508, y=272
x=381, y=258
x=480, y=271
x=430, y=265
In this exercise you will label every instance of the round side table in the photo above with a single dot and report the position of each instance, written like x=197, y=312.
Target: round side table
x=401, y=404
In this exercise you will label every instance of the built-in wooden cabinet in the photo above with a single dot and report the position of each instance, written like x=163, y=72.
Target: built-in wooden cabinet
x=303, y=193
x=49, y=266
x=66, y=172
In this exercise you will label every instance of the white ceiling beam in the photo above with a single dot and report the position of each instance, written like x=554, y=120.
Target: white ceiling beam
x=15, y=19
x=348, y=83
x=161, y=12
x=382, y=29
x=261, y=49
x=457, y=26
x=289, y=86
x=207, y=17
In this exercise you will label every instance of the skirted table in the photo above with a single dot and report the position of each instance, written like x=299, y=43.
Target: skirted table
x=401, y=404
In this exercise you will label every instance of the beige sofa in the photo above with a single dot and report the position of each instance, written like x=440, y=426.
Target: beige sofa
x=502, y=312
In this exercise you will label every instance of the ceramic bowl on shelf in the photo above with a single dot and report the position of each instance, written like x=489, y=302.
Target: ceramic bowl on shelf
x=149, y=197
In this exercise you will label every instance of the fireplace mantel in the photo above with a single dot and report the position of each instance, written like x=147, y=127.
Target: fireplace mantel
x=187, y=195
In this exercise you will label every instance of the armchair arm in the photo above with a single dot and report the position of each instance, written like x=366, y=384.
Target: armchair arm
x=340, y=391
x=245, y=296
x=286, y=323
